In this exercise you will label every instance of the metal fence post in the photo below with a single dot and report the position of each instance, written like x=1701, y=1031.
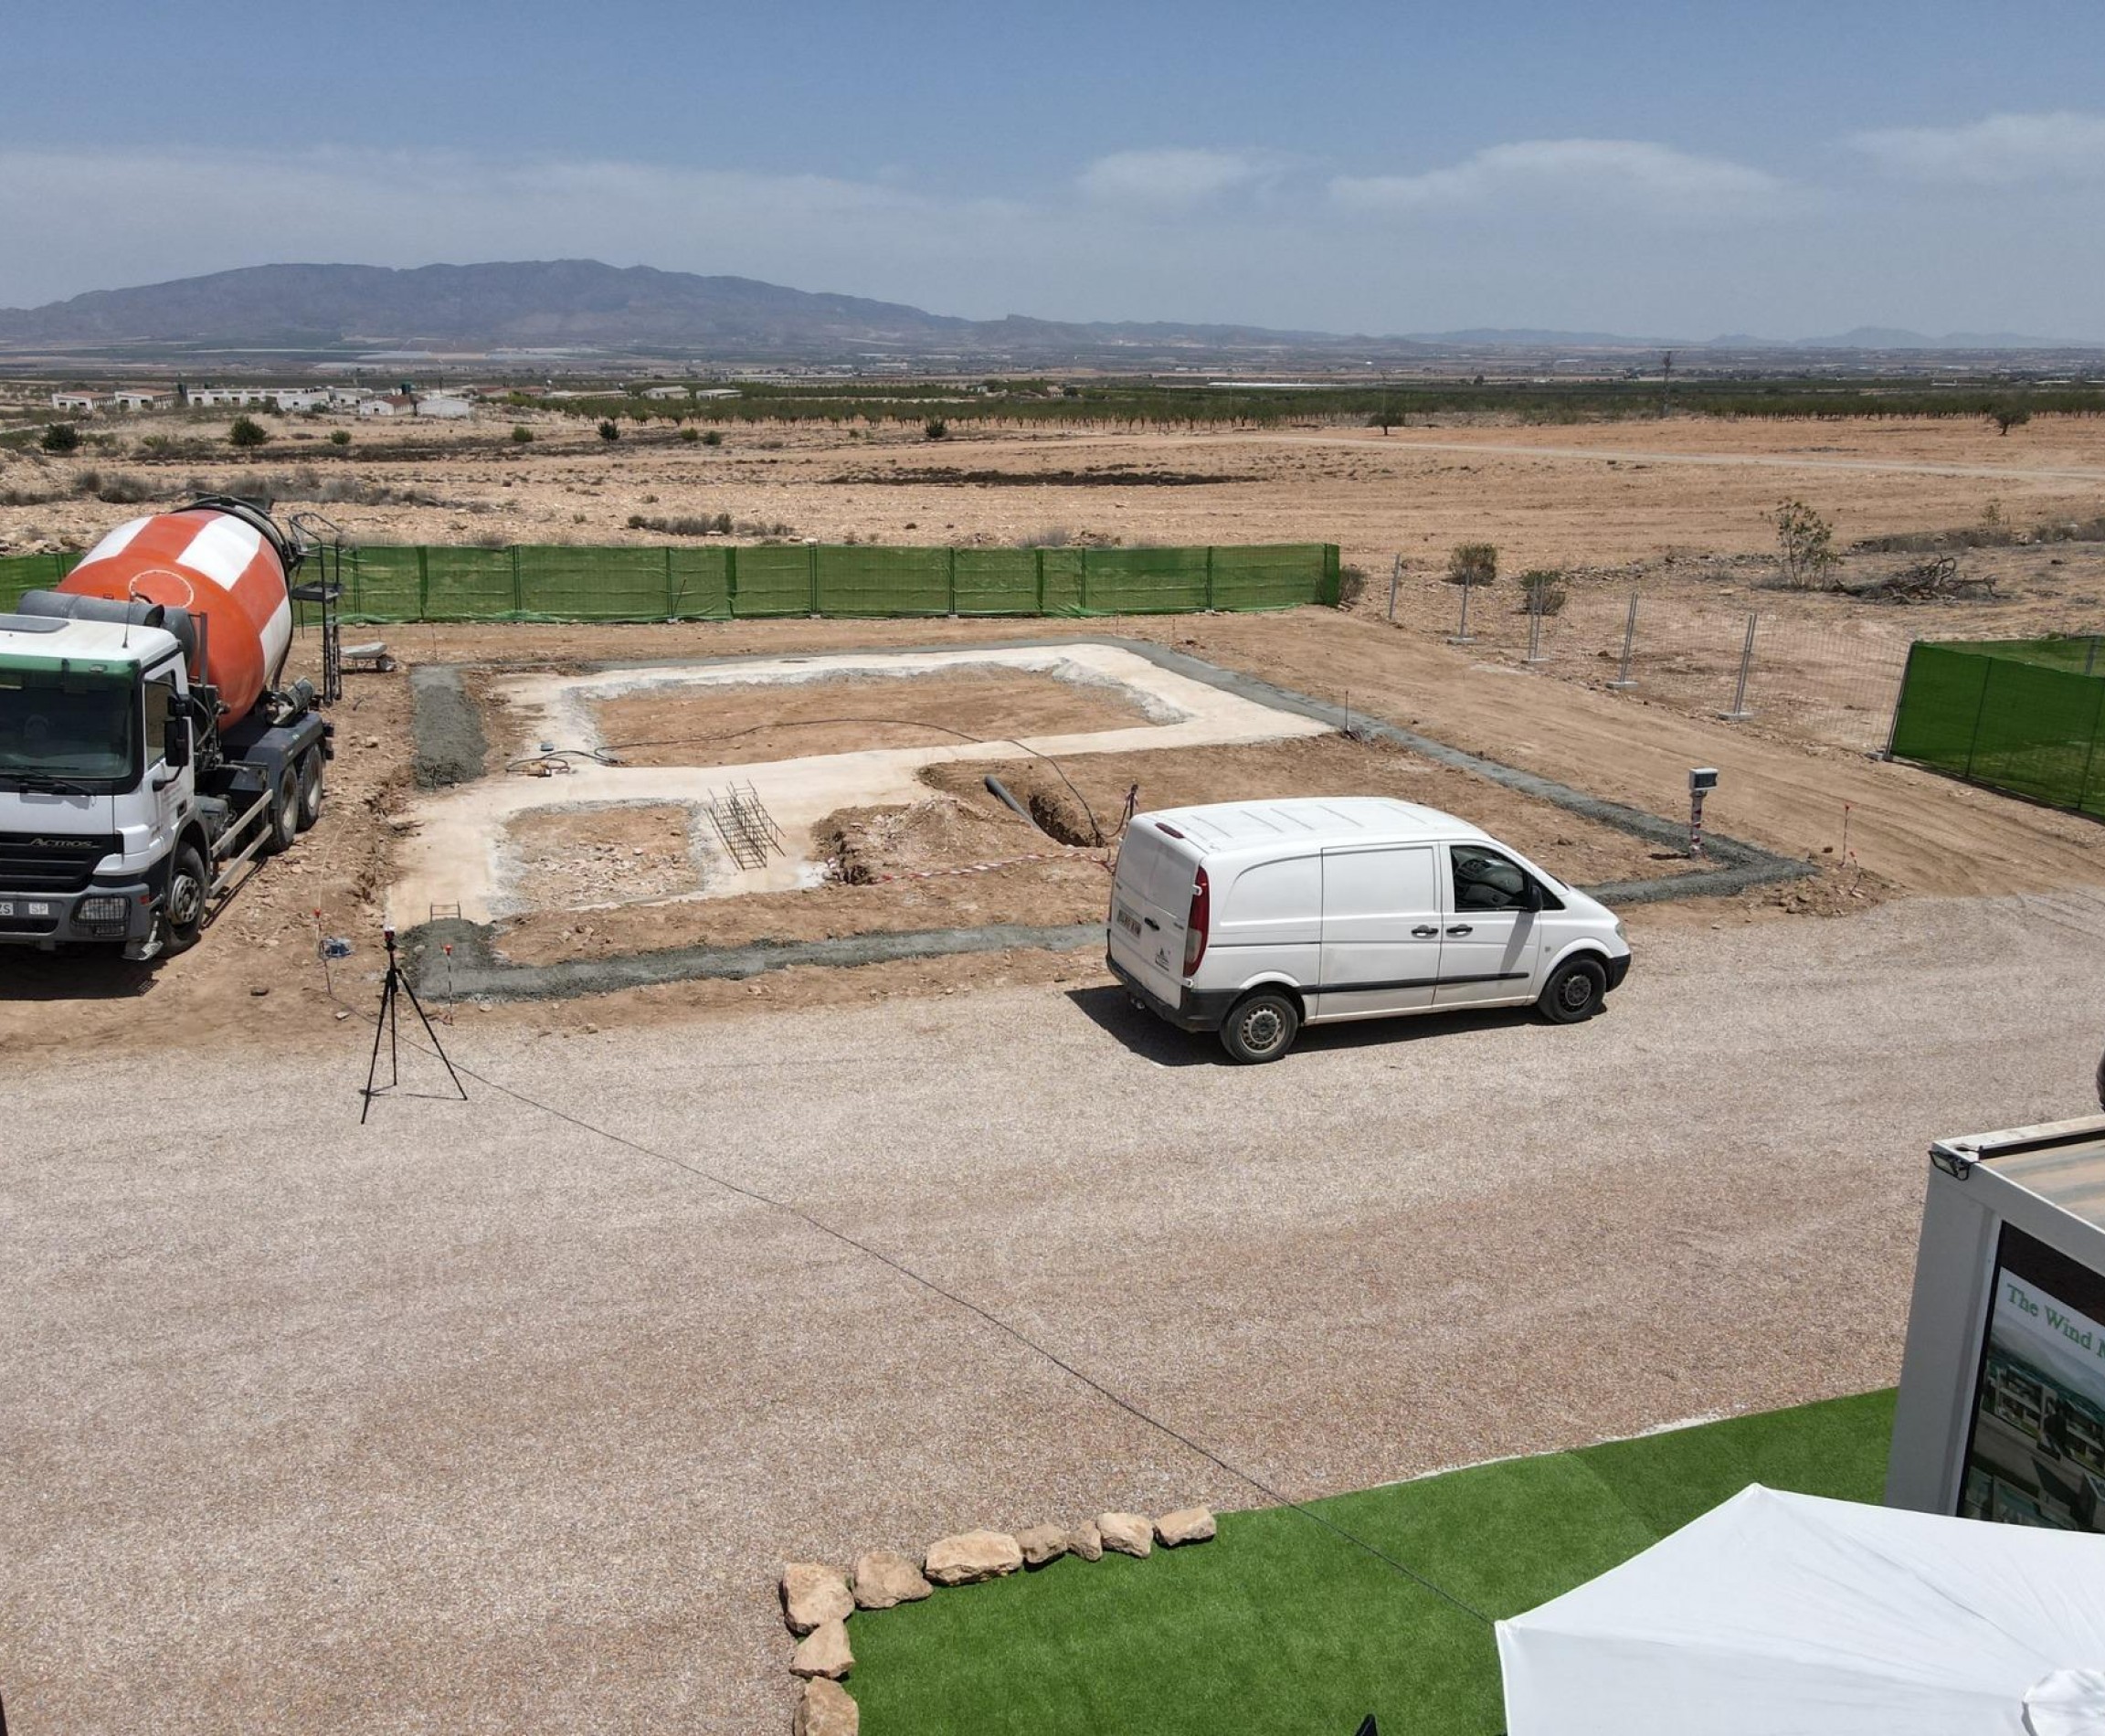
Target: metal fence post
x=1980, y=711
x=1899, y=699
x=731, y=580
x=2090, y=658
x=951, y=569
x=1622, y=681
x=1462, y=629
x=671, y=598
x=423, y=583
x=1084, y=604
x=2091, y=752
x=1395, y=580
x=1040, y=565
x=1535, y=625
x=1209, y=576
x=812, y=555
x=1740, y=711
x=518, y=588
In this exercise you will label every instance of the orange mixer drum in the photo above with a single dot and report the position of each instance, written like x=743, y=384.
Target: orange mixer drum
x=224, y=571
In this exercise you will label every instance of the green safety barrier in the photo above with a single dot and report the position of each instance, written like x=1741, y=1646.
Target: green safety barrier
x=720, y=582
x=2021, y=715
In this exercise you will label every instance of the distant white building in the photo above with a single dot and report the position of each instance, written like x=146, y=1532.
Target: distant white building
x=394, y=404
x=80, y=403
x=137, y=401
x=292, y=399
x=443, y=404
x=240, y=397
x=347, y=397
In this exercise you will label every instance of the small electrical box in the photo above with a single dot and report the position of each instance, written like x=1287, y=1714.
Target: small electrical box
x=1701, y=778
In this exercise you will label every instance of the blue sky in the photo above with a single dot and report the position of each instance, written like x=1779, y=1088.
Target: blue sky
x=1676, y=170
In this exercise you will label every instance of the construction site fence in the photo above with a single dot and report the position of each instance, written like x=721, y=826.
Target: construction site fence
x=1820, y=669
x=724, y=582
x=2022, y=714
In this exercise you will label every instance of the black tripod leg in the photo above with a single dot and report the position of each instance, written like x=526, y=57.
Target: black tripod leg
x=373, y=1067
x=436, y=1044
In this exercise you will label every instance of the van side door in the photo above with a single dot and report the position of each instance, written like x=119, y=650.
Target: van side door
x=1381, y=923
x=1492, y=936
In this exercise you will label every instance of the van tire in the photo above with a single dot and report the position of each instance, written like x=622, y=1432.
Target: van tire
x=1261, y=1027
x=1574, y=992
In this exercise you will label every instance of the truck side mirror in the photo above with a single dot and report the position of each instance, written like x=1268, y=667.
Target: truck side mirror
x=175, y=743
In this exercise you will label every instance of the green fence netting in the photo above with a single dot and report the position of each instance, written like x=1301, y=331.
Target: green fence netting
x=719, y=582
x=2023, y=716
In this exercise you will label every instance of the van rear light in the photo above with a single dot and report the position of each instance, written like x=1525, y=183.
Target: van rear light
x=1195, y=924
x=1167, y=831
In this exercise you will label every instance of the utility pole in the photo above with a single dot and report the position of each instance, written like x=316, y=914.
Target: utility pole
x=1666, y=383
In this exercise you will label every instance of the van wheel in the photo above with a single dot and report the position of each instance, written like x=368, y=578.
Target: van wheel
x=310, y=787
x=282, y=819
x=1262, y=1027
x=1574, y=992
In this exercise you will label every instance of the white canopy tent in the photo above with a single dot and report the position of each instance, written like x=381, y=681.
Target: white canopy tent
x=1791, y=1616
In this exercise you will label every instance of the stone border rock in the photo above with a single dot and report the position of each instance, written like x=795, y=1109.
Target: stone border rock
x=478, y=973
x=817, y=1600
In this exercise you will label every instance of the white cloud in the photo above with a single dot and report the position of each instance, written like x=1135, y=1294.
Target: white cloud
x=1623, y=173
x=1174, y=176
x=2000, y=150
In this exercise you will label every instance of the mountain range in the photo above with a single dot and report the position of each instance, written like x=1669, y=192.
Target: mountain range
x=582, y=304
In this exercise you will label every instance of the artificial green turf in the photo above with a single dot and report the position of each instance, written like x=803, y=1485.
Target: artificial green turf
x=1283, y=1626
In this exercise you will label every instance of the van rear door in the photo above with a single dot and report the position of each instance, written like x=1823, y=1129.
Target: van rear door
x=1150, y=897
x=1381, y=922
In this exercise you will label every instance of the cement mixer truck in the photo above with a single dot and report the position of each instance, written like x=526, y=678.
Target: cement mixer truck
x=147, y=749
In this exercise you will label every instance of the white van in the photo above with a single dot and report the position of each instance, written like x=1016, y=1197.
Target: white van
x=1256, y=919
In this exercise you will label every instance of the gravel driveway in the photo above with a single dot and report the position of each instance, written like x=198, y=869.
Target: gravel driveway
x=473, y=1421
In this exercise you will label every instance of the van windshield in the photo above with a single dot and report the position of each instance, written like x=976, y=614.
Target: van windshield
x=67, y=726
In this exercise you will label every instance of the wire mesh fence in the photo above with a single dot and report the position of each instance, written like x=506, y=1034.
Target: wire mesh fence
x=1813, y=672
x=722, y=582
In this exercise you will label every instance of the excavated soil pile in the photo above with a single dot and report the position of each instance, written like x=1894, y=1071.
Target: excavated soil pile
x=576, y=858
x=723, y=724
x=944, y=831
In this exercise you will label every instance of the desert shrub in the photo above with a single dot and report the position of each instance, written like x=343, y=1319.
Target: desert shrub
x=609, y=431
x=339, y=436
x=690, y=435
x=697, y=525
x=934, y=429
x=1351, y=585
x=245, y=433
x=715, y=437
x=1051, y=536
x=2009, y=415
x=120, y=488
x=1542, y=591
x=61, y=437
x=1473, y=563
x=1804, y=544
x=521, y=435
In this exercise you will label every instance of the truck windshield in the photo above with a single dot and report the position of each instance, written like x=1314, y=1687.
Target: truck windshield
x=68, y=726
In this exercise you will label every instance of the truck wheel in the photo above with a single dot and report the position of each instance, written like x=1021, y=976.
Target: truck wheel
x=1574, y=992
x=1262, y=1027
x=182, y=910
x=282, y=819
x=310, y=787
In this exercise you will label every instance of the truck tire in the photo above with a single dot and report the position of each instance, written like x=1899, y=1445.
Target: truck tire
x=310, y=787
x=1261, y=1027
x=183, y=907
x=1574, y=992
x=282, y=819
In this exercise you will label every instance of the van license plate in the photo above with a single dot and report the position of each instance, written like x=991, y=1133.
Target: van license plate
x=7, y=907
x=1130, y=922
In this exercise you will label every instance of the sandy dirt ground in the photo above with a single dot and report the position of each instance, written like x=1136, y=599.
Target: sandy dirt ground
x=475, y=1421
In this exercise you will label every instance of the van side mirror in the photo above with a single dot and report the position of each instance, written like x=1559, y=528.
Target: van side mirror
x=1533, y=899
x=175, y=743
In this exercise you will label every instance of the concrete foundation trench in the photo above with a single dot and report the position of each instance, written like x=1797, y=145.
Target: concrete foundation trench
x=658, y=792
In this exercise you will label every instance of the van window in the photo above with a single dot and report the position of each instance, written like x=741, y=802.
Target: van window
x=1483, y=880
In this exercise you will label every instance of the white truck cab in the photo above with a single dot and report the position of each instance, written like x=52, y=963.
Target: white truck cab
x=1252, y=919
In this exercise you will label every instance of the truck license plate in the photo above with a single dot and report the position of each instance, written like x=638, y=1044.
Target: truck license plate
x=1130, y=922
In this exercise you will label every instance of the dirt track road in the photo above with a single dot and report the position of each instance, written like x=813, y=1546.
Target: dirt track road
x=2089, y=473
x=474, y=1421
